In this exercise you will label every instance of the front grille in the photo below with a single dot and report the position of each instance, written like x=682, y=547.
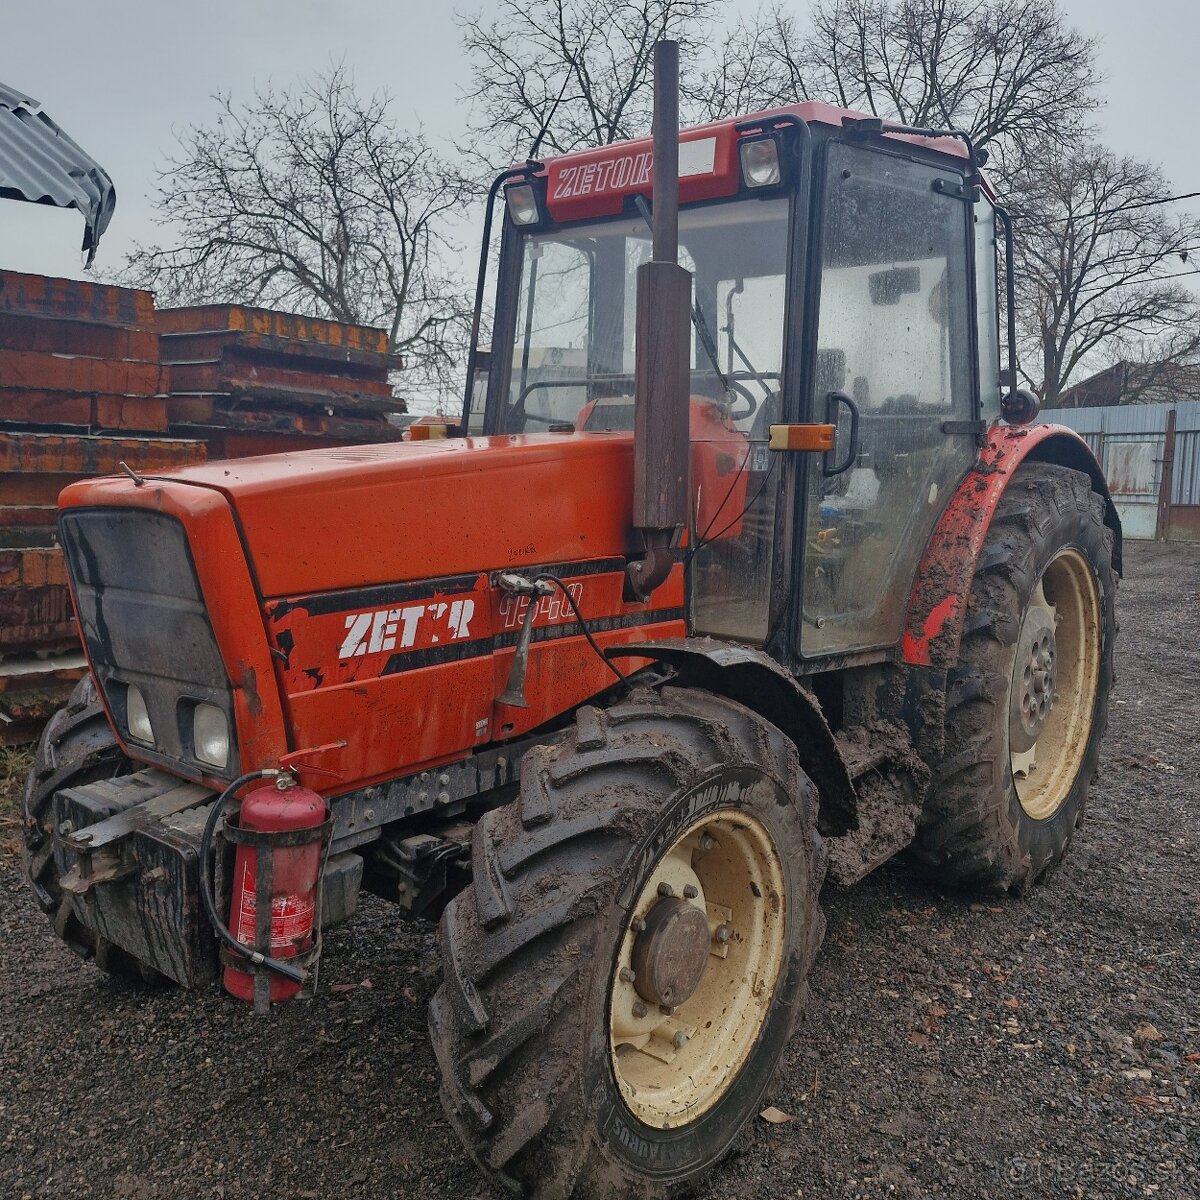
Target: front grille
x=144, y=623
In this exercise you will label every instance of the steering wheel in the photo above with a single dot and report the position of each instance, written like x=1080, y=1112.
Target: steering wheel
x=532, y=416
x=518, y=412
x=742, y=392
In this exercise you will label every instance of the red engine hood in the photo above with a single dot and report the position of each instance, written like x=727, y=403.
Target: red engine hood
x=376, y=616
x=332, y=519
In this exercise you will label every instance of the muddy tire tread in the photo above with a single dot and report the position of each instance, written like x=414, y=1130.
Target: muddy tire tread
x=544, y=865
x=968, y=838
x=77, y=747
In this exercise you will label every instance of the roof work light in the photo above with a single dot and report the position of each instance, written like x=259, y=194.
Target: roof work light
x=760, y=161
x=523, y=207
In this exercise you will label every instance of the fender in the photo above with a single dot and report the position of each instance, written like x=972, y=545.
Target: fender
x=942, y=585
x=756, y=680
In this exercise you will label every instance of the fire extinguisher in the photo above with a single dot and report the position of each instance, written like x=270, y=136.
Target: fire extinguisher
x=287, y=823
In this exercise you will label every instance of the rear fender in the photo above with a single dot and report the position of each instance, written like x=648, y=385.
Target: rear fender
x=752, y=678
x=938, y=602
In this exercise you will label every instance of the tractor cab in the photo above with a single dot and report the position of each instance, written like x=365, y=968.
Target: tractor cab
x=841, y=275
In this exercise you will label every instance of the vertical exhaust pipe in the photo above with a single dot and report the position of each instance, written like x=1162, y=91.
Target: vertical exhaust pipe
x=661, y=376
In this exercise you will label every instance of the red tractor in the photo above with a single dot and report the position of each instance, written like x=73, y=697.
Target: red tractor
x=746, y=561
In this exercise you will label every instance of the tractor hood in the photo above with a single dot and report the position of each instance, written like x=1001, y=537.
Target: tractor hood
x=357, y=582
x=325, y=520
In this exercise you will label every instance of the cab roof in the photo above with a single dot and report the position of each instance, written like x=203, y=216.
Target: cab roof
x=596, y=182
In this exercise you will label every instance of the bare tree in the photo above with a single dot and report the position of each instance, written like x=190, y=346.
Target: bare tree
x=1100, y=263
x=310, y=199
x=570, y=73
x=1009, y=72
x=564, y=74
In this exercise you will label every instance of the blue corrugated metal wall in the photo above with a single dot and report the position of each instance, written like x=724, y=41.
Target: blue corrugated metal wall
x=1131, y=442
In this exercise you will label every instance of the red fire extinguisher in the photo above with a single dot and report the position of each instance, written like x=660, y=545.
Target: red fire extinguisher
x=283, y=817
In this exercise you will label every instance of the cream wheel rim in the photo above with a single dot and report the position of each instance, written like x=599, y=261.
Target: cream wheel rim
x=1055, y=678
x=710, y=921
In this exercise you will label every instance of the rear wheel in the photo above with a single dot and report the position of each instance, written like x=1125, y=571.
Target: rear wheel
x=77, y=747
x=1028, y=703
x=625, y=970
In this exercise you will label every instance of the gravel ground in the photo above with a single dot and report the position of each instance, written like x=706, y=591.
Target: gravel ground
x=1040, y=1047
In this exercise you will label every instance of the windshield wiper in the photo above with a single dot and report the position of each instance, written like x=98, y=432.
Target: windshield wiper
x=735, y=345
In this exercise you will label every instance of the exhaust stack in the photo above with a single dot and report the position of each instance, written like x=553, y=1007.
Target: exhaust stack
x=661, y=379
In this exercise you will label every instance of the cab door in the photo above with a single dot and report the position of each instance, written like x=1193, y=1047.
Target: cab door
x=894, y=371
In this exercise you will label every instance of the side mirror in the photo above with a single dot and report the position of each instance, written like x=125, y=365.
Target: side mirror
x=1020, y=407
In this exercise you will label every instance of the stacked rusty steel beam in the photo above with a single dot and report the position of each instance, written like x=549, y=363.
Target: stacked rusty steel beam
x=40, y=660
x=81, y=390
x=92, y=376
x=251, y=380
x=81, y=355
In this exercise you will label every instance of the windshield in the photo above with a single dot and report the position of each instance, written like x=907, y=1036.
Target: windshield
x=573, y=353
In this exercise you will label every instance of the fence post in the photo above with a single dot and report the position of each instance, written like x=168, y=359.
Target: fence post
x=1163, y=524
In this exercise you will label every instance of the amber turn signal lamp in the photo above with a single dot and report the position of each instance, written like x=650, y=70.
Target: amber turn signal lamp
x=814, y=438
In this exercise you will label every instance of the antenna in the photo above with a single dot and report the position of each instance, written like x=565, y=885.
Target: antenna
x=562, y=91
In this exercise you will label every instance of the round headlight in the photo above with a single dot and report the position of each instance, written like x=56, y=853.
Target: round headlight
x=210, y=735
x=137, y=719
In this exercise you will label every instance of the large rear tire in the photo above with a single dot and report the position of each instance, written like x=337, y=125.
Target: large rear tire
x=674, y=833
x=1027, y=705
x=77, y=747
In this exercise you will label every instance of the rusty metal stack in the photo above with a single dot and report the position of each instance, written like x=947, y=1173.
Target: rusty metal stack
x=81, y=389
x=251, y=380
x=92, y=376
x=78, y=354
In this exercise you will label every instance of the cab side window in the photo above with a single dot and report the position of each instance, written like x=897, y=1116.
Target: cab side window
x=893, y=341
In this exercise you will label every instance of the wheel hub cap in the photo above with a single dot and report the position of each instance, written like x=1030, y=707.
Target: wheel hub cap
x=671, y=953
x=1033, y=698
x=1056, y=672
x=696, y=969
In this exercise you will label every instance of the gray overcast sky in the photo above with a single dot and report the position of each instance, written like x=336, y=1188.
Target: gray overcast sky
x=120, y=77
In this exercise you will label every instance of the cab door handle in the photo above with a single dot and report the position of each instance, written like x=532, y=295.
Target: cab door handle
x=832, y=402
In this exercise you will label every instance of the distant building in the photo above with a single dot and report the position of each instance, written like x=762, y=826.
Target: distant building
x=1134, y=383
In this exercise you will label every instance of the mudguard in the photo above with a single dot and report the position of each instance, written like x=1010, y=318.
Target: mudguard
x=942, y=584
x=756, y=680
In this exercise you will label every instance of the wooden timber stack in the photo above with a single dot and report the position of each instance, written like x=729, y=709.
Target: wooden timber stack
x=92, y=376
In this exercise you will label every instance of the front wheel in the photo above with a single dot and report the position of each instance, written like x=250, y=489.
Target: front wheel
x=625, y=970
x=1028, y=703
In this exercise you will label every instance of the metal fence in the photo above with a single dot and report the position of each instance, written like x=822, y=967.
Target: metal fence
x=1151, y=457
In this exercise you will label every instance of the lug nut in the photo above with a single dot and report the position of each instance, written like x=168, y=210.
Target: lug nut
x=691, y=892
x=638, y=925
x=723, y=934
x=639, y=1010
x=679, y=1040
x=707, y=842
x=626, y=975
x=667, y=1010
x=665, y=889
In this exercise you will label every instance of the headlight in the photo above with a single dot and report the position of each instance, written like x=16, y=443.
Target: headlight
x=137, y=719
x=522, y=204
x=760, y=162
x=210, y=735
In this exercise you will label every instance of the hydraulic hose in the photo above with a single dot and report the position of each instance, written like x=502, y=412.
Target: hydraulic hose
x=279, y=966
